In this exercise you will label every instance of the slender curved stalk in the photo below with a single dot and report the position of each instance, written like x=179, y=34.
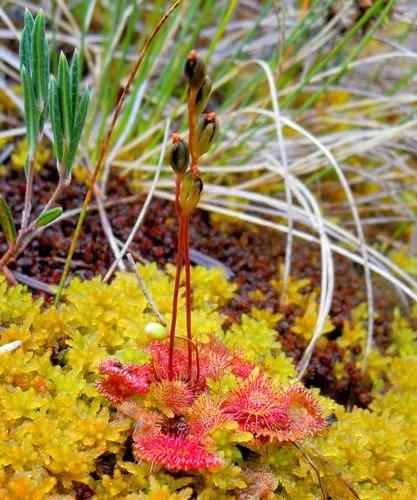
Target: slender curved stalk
x=186, y=243
x=315, y=469
x=105, y=147
x=145, y=291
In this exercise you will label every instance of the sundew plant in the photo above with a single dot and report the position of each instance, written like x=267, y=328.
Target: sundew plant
x=208, y=249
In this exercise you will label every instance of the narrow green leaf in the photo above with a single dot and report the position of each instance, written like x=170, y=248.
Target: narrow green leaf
x=46, y=68
x=25, y=47
x=30, y=109
x=64, y=95
x=76, y=132
x=28, y=19
x=56, y=119
x=75, y=78
x=48, y=216
x=40, y=62
x=42, y=117
x=6, y=222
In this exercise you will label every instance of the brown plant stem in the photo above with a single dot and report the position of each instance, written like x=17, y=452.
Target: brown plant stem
x=180, y=255
x=30, y=231
x=197, y=359
x=63, y=182
x=28, y=192
x=145, y=291
x=105, y=146
x=314, y=467
x=335, y=469
x=192, y=130
x=9, y=276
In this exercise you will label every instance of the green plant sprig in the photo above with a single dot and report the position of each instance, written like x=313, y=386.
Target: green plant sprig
x=43, y=93
x=68, y=111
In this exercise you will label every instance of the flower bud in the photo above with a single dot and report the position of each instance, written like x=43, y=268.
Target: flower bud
x=156, y=331
x=194, y=70
x=178, y=155
x=207, y=130
x=190, y=192
x=203, y=96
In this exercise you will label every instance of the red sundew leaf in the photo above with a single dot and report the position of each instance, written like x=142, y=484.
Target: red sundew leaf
x=174, y=395
x=123, y=381
x=204, y=416
x=146, y=422
x=255, y=406
x=175, y=453
x=159, y=352
x=304, y=413
x=240, y=367
x=215, y=359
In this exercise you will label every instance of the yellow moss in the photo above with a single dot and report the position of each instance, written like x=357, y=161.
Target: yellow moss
x=55, y=425
x=404, y=336
x=43, y=153
x=294, y=289
x=304, y=325
x=254, y=338
x=266, y=315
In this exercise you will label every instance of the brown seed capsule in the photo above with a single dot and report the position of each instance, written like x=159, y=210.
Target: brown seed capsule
x=207, y=130
x=178, y=155
x=190, y=192
x=194, y=70
x=203, y=95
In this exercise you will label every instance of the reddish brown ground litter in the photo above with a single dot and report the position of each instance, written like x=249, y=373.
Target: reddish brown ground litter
x=252, y=255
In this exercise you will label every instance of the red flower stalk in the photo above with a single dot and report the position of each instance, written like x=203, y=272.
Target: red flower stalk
x=195, y=74
x=180, y=252
x=255, y=406
x=175, y=453
x=123, y=381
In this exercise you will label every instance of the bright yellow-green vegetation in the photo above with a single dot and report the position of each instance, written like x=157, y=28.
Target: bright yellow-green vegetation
x=55, y=426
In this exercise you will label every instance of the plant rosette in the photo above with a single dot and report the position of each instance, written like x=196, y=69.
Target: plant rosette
x=176, y=420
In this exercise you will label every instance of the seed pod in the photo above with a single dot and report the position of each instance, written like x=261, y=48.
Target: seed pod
x=156, y=331
x=194, y=70
x=178, y=155
x=207, y=130
x=203, y=95
x=190, y=192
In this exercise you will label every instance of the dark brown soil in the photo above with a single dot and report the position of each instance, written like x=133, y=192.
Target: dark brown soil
x=252, y=255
